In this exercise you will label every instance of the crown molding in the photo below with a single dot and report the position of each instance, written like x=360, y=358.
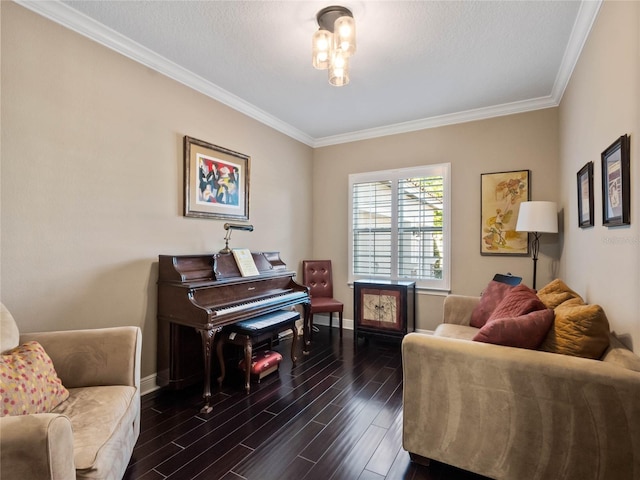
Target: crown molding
x=66, y=16
x=440, y=121
x=579, y=34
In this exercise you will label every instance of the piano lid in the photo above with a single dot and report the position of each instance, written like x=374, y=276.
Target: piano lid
x=219, y=266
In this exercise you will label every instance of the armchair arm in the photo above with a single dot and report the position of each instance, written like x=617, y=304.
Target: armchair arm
x=458, y=309
x=36, y=446
x=514, y=413
x=102, y=356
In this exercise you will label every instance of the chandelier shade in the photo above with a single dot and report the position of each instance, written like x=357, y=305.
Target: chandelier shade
x=334, y=43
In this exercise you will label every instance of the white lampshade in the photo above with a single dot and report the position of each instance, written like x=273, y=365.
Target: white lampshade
x=541, y=217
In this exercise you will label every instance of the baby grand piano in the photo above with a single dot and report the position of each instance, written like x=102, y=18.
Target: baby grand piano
x=200, y=294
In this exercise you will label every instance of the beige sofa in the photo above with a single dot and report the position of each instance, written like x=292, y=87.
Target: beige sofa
x=513, y=413
x=91, y=434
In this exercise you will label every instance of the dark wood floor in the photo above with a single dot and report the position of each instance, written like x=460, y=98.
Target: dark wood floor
x=336, y=415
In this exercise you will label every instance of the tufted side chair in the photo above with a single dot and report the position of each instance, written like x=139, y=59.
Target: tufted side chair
x=316, y=274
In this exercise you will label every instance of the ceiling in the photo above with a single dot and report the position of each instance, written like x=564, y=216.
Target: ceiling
x=418, y=64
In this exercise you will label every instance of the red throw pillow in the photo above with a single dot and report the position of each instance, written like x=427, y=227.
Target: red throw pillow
x=518, y=301
x=490, y=299
x=524, y=331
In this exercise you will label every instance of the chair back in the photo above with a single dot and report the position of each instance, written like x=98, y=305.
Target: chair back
x=9, y=333
x=316, y=274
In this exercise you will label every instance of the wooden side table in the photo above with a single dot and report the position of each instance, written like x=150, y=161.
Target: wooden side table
x=383, y=308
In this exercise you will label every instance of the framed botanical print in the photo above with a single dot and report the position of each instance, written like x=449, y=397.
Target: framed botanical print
x=501, y=194
x=615, y=183
x=585, y=196
x=216, y=181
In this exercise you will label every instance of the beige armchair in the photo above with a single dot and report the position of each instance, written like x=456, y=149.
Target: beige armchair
x=90, y=435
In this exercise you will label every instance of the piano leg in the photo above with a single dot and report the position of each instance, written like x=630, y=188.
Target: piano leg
x=208, y=337
x=248, y=353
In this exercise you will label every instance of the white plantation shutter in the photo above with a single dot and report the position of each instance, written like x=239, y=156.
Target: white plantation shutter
x=399, y=225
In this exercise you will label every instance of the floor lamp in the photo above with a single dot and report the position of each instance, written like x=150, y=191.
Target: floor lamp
x=537, y=218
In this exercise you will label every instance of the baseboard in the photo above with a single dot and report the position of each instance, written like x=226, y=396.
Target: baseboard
x=148, y=384
x=322, y=319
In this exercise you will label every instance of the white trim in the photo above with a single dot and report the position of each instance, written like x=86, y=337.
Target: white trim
x=66, y=16
x=323, y=319
x=579, y=34
x=439, y=121
x=148, y=384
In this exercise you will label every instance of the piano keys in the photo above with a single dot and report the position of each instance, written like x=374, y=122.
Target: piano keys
x=200, y=294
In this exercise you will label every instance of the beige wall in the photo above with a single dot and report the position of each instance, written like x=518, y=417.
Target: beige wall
x=524, y=141
x=92, y=181
x=601, y=103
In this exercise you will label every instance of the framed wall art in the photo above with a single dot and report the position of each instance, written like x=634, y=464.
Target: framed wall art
x=615, y=183
x=585, y=196
x=500, y=196
x=216, y=181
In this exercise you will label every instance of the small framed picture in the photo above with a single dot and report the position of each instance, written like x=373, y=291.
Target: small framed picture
x=585, y=196
x=615, y=183
x=216, y=181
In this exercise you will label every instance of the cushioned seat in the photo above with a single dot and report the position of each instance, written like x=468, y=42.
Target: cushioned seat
x=317, y=275
x=256, y=330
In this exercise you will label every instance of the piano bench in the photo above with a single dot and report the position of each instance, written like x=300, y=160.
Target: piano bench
x=253, y=331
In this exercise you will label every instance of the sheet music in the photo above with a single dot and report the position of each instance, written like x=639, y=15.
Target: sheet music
x=245, y=262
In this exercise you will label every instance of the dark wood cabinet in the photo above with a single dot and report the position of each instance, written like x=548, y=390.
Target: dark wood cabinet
x=383, y=309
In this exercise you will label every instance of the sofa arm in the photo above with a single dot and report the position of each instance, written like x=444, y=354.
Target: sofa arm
x=458, y=309
x=513, y=413
x=36, y=446
x=101, y=356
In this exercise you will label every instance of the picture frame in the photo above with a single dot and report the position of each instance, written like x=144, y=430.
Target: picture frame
x=501, y=194
x=216, y=181
x=585, y=196
x=616, y=199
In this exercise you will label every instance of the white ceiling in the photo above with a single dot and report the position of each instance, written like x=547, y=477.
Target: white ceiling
x=418, y=64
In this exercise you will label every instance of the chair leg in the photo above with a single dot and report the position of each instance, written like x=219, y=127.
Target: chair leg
x=294, y=343
x=330, y=321
x=340, y=319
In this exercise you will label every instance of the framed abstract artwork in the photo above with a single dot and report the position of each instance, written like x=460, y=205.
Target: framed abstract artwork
x=616, y=199
x=585, y=196
x=500, y=196
x=216, y=181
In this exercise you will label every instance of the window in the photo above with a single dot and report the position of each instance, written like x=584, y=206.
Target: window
x=399, y=225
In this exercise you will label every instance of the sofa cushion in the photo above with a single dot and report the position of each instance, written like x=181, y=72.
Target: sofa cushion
x=618, y=354
x=9, y=333
x=491, y=297
x=556, y=292
x=453, y=330
x=524, y=331
x=578, y=330
x=102, y=418
x=520, y=300
x=29, y=383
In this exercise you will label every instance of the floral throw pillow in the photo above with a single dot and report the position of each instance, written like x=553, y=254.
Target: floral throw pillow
x=28, y=381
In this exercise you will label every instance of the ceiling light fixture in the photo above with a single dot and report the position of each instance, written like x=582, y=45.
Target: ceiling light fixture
x=334, y=43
